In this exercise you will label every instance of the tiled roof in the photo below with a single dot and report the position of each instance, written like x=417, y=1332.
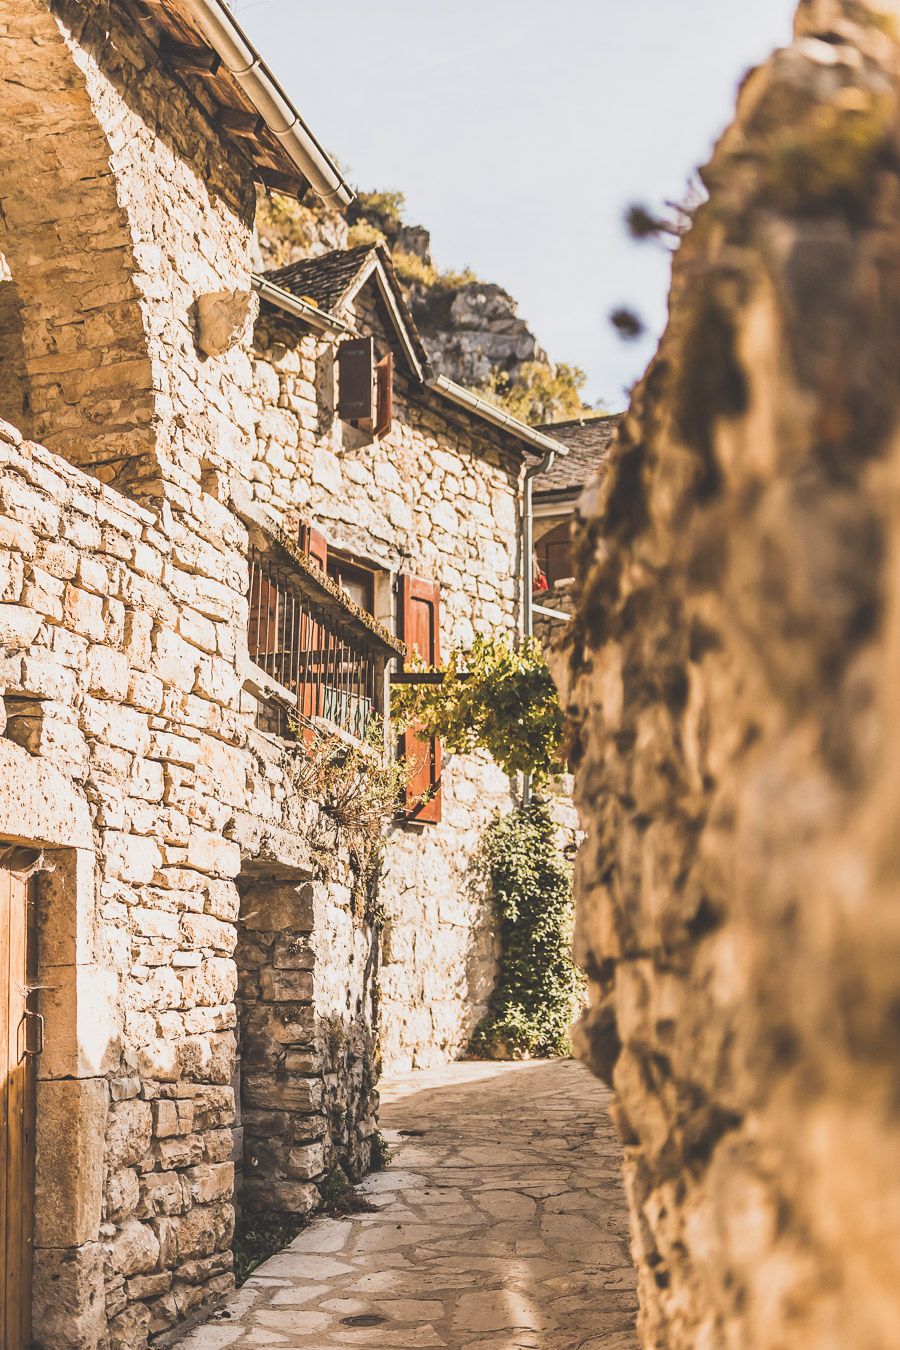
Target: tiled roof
x=324, y=280
x=588, y=443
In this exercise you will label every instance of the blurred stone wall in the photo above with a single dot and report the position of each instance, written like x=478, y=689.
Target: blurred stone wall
x=733, y=670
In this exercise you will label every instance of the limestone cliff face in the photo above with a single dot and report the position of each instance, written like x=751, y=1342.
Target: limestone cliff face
x=471, y=328
x=734, y=671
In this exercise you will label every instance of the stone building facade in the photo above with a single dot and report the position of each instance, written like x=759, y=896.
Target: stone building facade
x=733, y=668
x=437, y=497
x=200, y=990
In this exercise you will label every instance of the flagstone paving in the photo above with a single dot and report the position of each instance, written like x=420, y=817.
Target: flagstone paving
x=500, y=1224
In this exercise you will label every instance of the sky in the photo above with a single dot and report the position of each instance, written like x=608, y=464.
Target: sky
x=520, y=131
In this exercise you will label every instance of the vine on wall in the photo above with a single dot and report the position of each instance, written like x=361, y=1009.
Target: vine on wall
x=538, y=991
x=494, y=697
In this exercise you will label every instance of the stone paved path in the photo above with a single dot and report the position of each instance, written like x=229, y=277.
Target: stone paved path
x=501, y=1225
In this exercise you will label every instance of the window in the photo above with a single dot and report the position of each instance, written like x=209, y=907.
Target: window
x=365, y=386
x=356, y=581
x=555, y=554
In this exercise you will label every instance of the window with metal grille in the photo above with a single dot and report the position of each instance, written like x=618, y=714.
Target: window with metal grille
x=324, y=664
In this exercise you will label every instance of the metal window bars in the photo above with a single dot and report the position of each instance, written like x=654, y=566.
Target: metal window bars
x=326, y=672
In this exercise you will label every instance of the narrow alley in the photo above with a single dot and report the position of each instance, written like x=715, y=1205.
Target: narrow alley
x=499, y=1224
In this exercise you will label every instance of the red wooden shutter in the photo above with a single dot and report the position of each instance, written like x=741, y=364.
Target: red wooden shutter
x=420, y=629
x=384, y=395
x=314, y=545
x=311, y=691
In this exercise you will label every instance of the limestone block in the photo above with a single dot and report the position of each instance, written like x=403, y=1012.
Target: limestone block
x=68, y=1301
x=80, y=1005
x=84, y=612
x=128, y=1330
x=71, y=1123
x=306, y=1161
x=131, y=857
x=204, y=1230
x=67, y=910
x=161, y=1193
x=128, y=1134
x=19, y=626
x=211, y=853
x=285, y=1197
x=134, y=1249
x=107, y=673
x=210, y=1181
x=122, y=1195
x=224, y=318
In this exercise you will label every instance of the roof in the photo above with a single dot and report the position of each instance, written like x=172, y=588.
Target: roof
x=315, y=290
x=204, y=44
x=324, y=280
x=587, y=441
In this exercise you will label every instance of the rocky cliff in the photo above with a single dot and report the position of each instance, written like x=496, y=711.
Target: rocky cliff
x=733, y=674
x=472, y=329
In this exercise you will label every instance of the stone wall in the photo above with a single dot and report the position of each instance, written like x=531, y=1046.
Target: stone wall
x=734, y=676
x=437, y=498
x=121, y=667
x=111, y=242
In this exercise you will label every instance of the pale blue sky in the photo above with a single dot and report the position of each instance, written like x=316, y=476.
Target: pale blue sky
x=519, y=130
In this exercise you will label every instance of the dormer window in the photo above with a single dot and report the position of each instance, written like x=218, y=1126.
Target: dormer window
x=365, y=386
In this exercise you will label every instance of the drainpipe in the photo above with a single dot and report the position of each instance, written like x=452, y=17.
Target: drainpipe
x=531, y=472
x=244, y=63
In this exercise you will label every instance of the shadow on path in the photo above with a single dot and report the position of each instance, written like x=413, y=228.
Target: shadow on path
x=501, y=1224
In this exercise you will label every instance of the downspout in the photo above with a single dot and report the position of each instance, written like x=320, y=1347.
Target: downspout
x=244, y=63
x=527, y=541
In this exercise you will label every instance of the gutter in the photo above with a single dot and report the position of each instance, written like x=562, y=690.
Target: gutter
x=317, y=318
x=457, y=394
x=244, y=63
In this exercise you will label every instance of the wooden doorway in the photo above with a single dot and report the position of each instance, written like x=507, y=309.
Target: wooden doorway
x=21, y=1038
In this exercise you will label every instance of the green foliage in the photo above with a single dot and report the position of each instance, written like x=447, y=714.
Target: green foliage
x=339, y=1197
x=533, y=1006
x=540, y=393
x=379, y=1152
x=359, y=785
x=494, y=697
x=364, y=232
x=259, y=1234
x=382, y=210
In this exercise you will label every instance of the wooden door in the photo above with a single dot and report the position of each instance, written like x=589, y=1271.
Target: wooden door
x=19, y=1024
x=420, y=616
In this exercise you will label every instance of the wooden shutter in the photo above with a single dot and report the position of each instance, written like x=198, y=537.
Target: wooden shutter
x=384, y=395
x=420, y=629
x=314, y=545
x=356, y=380
x=311, y=691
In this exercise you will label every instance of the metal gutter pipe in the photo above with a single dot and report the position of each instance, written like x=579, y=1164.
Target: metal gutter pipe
x=531, y=472
x=244, y=63
x=457, y=394
x=317, y=318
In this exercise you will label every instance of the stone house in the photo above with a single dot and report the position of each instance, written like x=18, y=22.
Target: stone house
x=556, y=493
x=420, y=519
x=203, y=555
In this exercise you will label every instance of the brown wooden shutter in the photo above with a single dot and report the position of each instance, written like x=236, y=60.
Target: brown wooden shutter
x=420, y=629
x=311, y=691
x=356, y=380
x=314, y=545
x=384, y=398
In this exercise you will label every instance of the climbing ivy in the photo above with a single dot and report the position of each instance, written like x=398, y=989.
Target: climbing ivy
x=494, y=697
x=536, y=998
